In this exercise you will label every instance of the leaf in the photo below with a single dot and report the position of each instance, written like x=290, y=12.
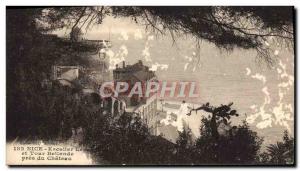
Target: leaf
x=233, y=112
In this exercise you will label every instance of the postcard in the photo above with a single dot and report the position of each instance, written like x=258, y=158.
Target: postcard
x=150, y=86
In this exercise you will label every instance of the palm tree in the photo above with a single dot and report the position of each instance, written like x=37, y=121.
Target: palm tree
x=282, y=152
x=277, y=153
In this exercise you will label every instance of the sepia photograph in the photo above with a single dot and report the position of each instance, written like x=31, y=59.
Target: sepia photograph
x=150, y=86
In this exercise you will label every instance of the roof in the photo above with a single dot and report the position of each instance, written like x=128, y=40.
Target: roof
x=143, y=75
x=137, y=70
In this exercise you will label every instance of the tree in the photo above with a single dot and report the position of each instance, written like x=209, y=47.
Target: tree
x=33, y=112
x=75, y=34
x=184, y=147
x=226, y=27
x=281, y=153
x=20, y=96
x=240, y=146
x=219, y=114
x=125, y=140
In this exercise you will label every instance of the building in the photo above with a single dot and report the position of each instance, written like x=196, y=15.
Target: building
x=145, y=107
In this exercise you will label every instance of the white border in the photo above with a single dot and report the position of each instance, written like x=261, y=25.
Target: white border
x=5, y=3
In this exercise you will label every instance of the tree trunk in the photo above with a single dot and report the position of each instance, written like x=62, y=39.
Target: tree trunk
x=213, y=124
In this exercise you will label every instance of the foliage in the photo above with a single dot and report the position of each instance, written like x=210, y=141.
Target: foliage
x=219, y=114
x=76, y=34
x=125, y=141
x=128, y=141
x=184, y=148
x=30, y=56
x=240, y=147
x=226, y=27
x=280, y=153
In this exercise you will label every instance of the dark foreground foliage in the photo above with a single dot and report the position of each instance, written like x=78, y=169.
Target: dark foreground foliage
x=128, y=141
x=280, y=153
x=125, y=141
